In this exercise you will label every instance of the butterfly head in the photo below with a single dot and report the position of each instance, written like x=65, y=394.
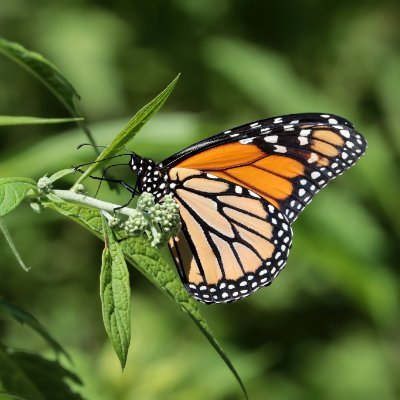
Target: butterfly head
x=151, y=176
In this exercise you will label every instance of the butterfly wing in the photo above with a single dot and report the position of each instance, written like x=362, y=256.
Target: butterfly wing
x=286, y=160
x=232, y=241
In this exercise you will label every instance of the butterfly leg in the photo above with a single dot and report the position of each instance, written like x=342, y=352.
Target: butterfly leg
x=127, y=204
x=119, y=181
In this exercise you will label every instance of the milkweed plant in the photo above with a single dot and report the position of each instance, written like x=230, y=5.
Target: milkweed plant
x=130, y=235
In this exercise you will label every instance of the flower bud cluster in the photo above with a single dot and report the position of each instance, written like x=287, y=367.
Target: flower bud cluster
x=158, y=221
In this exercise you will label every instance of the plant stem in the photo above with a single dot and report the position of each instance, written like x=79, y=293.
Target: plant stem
x=78, y=198
x=10, y=242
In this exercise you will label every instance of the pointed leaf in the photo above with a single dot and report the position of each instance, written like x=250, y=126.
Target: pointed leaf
x=25, y=318
x=129, y=131
x=43, y=70
x=12, y=192
x=49, y=75
x=8, y=120
x=60, y=174
x=115, y=295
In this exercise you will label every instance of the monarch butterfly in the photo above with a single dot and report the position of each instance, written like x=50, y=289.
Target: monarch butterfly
x=240, y=191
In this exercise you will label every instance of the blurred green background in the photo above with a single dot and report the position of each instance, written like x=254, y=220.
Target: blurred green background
x=329, y=327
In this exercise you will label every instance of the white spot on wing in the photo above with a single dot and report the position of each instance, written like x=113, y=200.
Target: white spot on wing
x=313, y=157
x=271, y=139
x=246, y=141
x=254, y=194
x=305, y=132
x=280, y=149
x=212, y=176
x=315, y=174
x=345, y=133
x=303, y=140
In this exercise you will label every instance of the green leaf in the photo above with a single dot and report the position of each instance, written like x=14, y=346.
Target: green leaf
x=7, y=120
x=60, y=174
x=6, y=233
x=151, y=264
x=49, y=75
x=115, y=295
x=12, y=192
x=14, y=379
x=33, y=377
x=129, y=131
x=43, y=70
x=25, y=318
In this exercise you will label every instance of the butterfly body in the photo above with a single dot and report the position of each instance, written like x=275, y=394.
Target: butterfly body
x=238, y=193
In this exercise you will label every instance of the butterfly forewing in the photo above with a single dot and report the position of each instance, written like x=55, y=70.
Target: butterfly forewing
x=285, y=160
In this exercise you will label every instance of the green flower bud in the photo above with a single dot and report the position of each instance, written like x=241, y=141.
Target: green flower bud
x=44, y=184
x=81, y=189
x=158, y=221
x=114, y=222
x=136, y=223
x=37, y=207
x=145, y=202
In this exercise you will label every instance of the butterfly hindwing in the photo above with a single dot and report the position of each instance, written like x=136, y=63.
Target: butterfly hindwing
x=232, y=241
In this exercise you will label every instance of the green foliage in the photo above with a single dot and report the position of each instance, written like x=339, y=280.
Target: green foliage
x=12, y=192
x=151, y=264
x=23, y=317
x=43, y=70
x=328, y=327
x=49, y=75
x=9, y=240
x=115, y=294
x=7, y=120
x=34, y=377
x=25, y=375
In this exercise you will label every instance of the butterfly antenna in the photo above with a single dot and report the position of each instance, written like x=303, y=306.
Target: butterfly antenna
x=76, y=168
x=102, y=147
